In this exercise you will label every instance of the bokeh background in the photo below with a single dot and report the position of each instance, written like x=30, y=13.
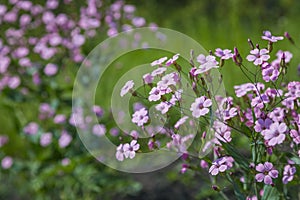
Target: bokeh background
x=53, y=172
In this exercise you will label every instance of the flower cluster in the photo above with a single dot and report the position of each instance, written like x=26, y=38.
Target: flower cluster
x=263, y=112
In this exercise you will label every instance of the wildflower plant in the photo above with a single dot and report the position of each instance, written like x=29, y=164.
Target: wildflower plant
x=264, y=113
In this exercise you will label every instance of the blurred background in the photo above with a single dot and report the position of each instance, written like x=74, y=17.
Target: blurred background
x=68, y=171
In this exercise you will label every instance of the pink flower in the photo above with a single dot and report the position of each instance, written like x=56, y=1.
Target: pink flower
x=126, y=88
x=7, y=162
x=148, y=78
x=50, y=69
x=31, y=128
x=180, y=122
x=163, y=107
x=99, y=129
x=167, y=80
x=158, y=71
x=200, y=106
x=65, y=161
x=172, y=60
x=223, y=54
x=59, y=119
x=3, y=140
x=221, y=165
x=258, y=56
x=268, y=36
x=130, y=149
x=275, y=134
x=159, y=61
x=120, y=153
x=46, y=139
x=267, y=172
x=288, y=174
x=64, y=139
x=156, y=93
x=140, y=117
x=206, y=64
x=295, y=135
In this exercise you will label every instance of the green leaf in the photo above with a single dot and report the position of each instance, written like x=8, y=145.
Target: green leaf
x=270, y=193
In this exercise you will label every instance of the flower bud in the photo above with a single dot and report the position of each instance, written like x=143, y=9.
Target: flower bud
x=287, y=35
x=215, y=187
x=270, y=46
x=250, y=43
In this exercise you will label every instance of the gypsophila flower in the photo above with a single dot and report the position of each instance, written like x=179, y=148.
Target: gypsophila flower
x=201, y=106
x=267, y=173
x=220, y=165
x=288, y=174
x=130, y=149
x=269, y=73
x=140, y=117
x=223, y=54
x=126, y=88
x=277, y=115
x=275, y=134
x=148, y=78
x=46, y=139
x=258, y=56
x=268, y=36
x=156, y=93
x=167, y=80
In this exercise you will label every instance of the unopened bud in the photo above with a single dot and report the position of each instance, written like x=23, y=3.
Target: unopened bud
x=257, y=46
x=287, y=35
x=215, y=187
x=250, y=43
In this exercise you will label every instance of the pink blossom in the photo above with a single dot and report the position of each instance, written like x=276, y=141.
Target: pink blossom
x=7, y=162
x=201, y=106
x=3, y=140
x=220, y=165
x=64, y=139
x=31, y=128
x=295, y=136
x=46, y=139
x=126, y=88
x=258, y=56
x=206, y=63
x=163, y=107
x=140, y=117
x=180, y=122
x=120, y=153
x=59, y=119
x=172, y=60
x=130, y=149
x=288, y=174
x=223, y=54
x=267, y=172
x=50, y=69
x=148, y=78
x=158, y=71
x=167, y=80
x=99, y=129
x=159, y=61
x=268, y=36
x=275, y=134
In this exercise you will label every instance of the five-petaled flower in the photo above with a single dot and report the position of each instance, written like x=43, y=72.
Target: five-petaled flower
x=266, y=173
x=258, y=56
x=201, y=106
x=140, y=117
x=206, y=63
x=275, y=134
x=223, y=54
